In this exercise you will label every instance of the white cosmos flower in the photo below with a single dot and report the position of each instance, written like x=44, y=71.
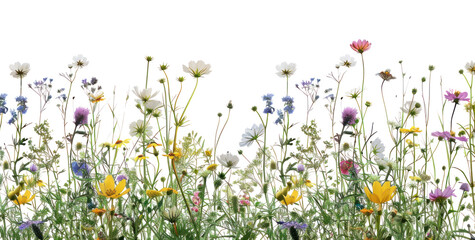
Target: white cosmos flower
x=197, y=69
x=286, y=69
x=411, y=109
x=470, y=66
x=153, y=104
x=377, y=147
x=138, y=128
x=80, y=61
x=19, y=70
x=251, y=135
x=145, y=94
x=347, y=61
x=228, y=160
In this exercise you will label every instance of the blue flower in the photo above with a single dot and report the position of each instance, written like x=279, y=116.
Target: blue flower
x=280, y=117
x=268, y=99
x=289, y=104
x=21, y=103
x=296, y=225
x=28, y=224
x=3, y=109
x=14, y=117
x=81, y=169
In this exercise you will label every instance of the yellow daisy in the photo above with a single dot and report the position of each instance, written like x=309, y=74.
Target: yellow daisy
x=24, y=199
x=140, y=157
x=212, y=167
x=109, y=190
x=153, y=193
x=168, y=191
x=119, y=143
x=293, y=198
x=411, y=130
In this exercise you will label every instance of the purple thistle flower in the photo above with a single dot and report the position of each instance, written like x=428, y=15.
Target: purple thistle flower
x=28, y=224
x=300, y=168
x=33, y=167
x=349, y=116
x=296, y=225
x=80, y=116
x=450, y=136
x=121, y=177
x=465, y=187
x=440, y=195
x=456, y=96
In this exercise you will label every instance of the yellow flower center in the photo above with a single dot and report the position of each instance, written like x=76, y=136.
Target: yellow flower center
x=457, y=93
x=110, y=192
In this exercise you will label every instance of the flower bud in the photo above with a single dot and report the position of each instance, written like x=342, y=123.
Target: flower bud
x=461, y=71
x=273, y=165
x=230, y=105
x=6, y=165
x=423, y=79
x=254, y=108
x=431, y=67
x=414, y=91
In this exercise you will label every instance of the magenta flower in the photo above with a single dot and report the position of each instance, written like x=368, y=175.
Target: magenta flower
x=449, y=136
x=80, y=116
x=439, y=195
x=349, y=116
x=360, y=46
x=347, y=165
x=456, y=96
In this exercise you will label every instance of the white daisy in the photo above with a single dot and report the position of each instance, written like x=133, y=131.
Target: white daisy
x=153, y=104
x=145, y=94
x=137, y=128
x=347, y=61
x=286, y=69
x=470, y=66
x=251, y=135
x=377, y=147
x=80, y=61
x=228, y=160
x=197, y=69
x=411, y=109
x=19, y=70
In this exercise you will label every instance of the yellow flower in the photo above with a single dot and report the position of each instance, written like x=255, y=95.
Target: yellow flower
x=119, y=143
x=109, y=190
x=208, y=153
x=153, y=193
x=212, y=167
x=98, y=211
x=173, y=155
x=367, y=212
x=415, y=178
x=140, y=157
x=30, y=182
x=24, y=199
x=381, y=194
x=153, y=144
x=411, y=130
x=40, y=183
x=168, y=191
x=292, y=198
x=97, y=97
x=308, y=183
x=294, y=180
x=411, y=144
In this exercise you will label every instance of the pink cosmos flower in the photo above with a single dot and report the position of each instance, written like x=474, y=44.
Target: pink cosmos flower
x=360, y=46
x=440, y=195
x=456, y=96
x=347, y=165
x=450, y=136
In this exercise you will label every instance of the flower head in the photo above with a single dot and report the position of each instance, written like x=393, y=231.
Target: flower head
x=171, y=214
x=99, y=211
x=347, y=61
x=309, y=183
x=440, y=196
x=119, y=143
x=470, y=66
x=465, y=187
x=29, y=223
x=367, y=212
x=450, y=136
x=360, y=46
x=412, y=108
x=268, y=99
x=228, y=160
x=348, y=166
x=381, y=194
x=456, y=96
x=19, y=70
x=349, y=116
x=80, y=116
x=121, y=177
x=289, y=104
x=173, y=155
x=145, y=94
x=81, y=169
x=21, y=103
x=138, y=128
x=295, y=225
x=415, y=178
x=96, y=96
x=197, y=69
x=286, y=69
x=300, y=168
x=33, y=167
x=24, y=199
x=212, y=167
x=386, y=75
x=168, y=191
x=3, y=103
x=153, y=193
x=377, y=148
x=140, y=157
x=80, y=61
x=251, y=135
x=291, y=199
x=110, y=190
x=411, y=130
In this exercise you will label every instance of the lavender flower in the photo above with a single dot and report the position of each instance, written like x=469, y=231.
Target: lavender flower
x=456, y=96
x=465, y=187
x=440, y=195
x=14, y=117
x=349, y=116
x=81, y=169
x=28, y=224
x=21, y=103
x=292, y=224
x=450, y=136
x=300, y=168
x=33, y=168
x=121, y=177
x=268, y=99
x=3, y=109
x=288, y=102
x=80, y=116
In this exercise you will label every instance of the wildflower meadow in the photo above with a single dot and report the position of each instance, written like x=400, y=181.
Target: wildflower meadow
x=73, y=167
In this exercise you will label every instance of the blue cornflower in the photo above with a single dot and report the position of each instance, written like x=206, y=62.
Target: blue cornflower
x=3, y=109
x=331, y=96
x=268, y=99
x=280, y=117
x=289, y=104
x=28, y=224
x=84, y=82
x=14, y=117
x=21, y=102
x=81, y=169
x=295, y=225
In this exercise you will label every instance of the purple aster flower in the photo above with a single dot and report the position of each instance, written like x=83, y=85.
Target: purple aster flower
x=296, y=225
x=33, y=167
x=349, y=116
x=446, y=135
x=300, y=168
x=80, y=116
x=440, y=195
x=28, y=224
x=121, y=177
x=81, y=169
x=456, y=96
x=465, y=187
